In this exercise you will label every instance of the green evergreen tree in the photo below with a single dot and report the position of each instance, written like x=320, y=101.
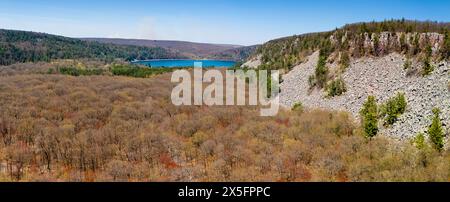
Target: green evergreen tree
x=336, y=87
x=446, y=48
x=403, y=44
x=393, y=108
x=298, y=106
x=428, y=68
x=369, y=117
x=321, y=73
x=376, y=44
x=436, y=132
x=419, y=141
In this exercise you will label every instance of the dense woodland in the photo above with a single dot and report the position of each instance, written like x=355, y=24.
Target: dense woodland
x=20, y=46
x=56, y=127
x=286, y=52
x=236, y=54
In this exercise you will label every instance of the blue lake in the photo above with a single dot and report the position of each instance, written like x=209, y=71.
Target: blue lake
x=185, y=63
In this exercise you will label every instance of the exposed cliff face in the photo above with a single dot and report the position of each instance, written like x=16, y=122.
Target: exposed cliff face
x=253, y=62
x=388, y=42
x=286, y=53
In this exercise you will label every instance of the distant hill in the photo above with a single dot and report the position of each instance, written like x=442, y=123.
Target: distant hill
x=22, y=46
x=238, y=54
x=188, y=49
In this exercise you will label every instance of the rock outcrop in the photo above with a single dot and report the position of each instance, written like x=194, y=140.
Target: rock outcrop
x=389, y=42
x=253, y=63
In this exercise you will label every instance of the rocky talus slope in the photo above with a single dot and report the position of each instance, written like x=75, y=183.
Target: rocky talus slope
x=382, y=77
x=253, y=63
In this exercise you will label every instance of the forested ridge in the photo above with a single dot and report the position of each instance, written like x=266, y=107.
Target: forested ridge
x=238, y=54
x=360, y=39
x=21, y=46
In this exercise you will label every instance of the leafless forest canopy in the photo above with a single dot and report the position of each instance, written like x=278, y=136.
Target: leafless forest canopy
x=57, y=127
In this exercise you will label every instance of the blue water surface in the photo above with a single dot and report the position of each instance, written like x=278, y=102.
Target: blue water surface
x=185, y=63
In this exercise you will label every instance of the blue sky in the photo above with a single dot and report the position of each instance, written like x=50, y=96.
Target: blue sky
x=244, y=22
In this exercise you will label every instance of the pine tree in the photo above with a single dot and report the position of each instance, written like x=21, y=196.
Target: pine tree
x=419, y=141
x=321, y=73
x=369, y=117
x=394, y=108
x=446, y=49
x=427, y=68
x=435, y=131
x=376, y=44
x=336, y=87
x=403, y=44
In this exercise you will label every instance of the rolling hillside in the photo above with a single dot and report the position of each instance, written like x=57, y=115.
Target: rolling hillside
x=188, y=49
x=86, y=121
x=21, y=46
x=237, y=54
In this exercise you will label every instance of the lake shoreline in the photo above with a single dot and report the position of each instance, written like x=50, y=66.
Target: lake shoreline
x=168, y=63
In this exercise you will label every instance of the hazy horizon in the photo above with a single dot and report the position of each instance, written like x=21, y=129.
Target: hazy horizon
x=220, y=22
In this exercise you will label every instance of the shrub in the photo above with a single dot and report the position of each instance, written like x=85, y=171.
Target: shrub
x=136, y=71
x=298, y=106
x=419, y=141
x=428, y=68
x=376, y=44
x=336, y=87
x=78, y=72
x=407, y=65
x=435, y=131
x=393, y=108
x=344, y=61
x=312, y=81
x=199, y=138
x=50, y=71
x=369, y=117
